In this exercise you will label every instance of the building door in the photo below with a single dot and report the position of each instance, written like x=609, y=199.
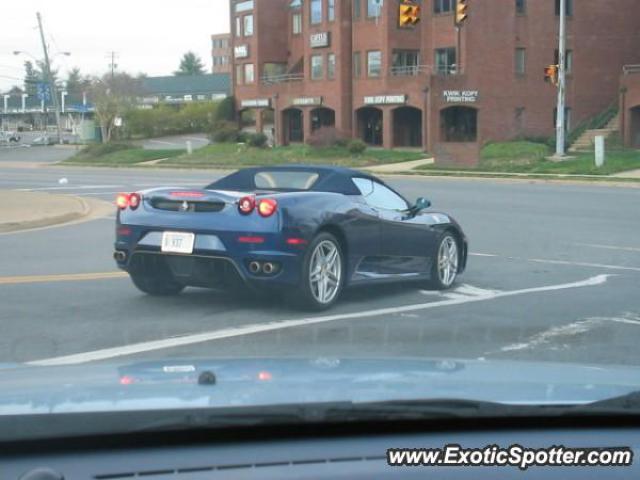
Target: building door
x=634, y=118
x=370, y=125
x=294, y=125
x=407, y=127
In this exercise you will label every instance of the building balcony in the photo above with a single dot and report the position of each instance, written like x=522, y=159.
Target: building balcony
x=283, y=78
x=418, y=70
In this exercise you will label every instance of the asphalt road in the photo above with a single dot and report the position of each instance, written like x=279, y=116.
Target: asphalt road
x=554, y=275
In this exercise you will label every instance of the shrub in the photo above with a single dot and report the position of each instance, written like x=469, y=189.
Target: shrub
x=226, y=111
x=225, y=132
x=356, y=147
x=258, y=140
x=326, y=137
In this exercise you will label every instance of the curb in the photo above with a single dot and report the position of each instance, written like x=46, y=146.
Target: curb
x=84, y=211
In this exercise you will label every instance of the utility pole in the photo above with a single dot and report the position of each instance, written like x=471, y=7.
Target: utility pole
x=112, y=65
x=52, y=86
x=562, y=81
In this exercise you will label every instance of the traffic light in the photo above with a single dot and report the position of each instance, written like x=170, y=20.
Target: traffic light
x=409, y=14
x=551, y=74
x=461, y=12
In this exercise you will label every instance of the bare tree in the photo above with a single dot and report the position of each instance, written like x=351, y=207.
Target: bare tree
x=112, y=98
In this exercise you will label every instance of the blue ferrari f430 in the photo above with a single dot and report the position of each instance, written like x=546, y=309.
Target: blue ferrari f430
x=309, y=231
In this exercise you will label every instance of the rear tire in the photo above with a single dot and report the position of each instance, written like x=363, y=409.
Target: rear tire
x=323, y=274
x=446, y=262
x=155, y=278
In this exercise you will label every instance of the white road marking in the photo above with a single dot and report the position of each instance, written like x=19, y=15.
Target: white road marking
x=609, y=247
x=584, y=264
x=161, y=142
x=284, y=324
x=569, y=330
x=76, y=187
x=561, y=262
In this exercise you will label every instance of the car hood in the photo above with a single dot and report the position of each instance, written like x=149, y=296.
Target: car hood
x=198, y=383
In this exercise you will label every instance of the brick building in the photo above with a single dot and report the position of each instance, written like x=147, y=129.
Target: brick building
x=221, y=53
x=348, y=64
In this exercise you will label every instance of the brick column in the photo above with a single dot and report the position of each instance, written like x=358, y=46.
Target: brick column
x=306, y=124
x=259, y=121
x=387, y=127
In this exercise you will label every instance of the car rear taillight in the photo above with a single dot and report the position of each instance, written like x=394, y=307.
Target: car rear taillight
x=247, y=204
x=131, y=200
x=267, y=207
x=134, y=201
x=122, y=200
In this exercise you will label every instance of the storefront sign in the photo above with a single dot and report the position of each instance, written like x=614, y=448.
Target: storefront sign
x=241, y=51
x=461, y=96
x=385, y=100
x=306, y=101
x=256, y=102
x=320, y=40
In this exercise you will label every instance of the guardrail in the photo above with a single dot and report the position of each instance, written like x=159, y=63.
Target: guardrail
x=284, y=78
x=627, y=69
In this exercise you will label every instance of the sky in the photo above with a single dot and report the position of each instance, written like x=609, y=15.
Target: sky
x=147, y=36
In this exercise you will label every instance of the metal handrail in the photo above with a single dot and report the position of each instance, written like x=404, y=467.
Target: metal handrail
x=410, y=70
x=627, y=69
x=284, y=78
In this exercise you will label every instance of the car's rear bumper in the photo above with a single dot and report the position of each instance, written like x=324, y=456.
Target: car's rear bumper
x=218, y=260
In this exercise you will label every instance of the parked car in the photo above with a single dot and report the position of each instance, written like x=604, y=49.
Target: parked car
x=9, y=137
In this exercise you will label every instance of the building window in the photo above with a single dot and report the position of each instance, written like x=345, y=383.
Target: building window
x=568, y=60
x=357, y=67
x=568, y=7
x=316, y=67
x=405, y=62
x=443, y=6
x=248, y=25
x=519, y=119
x=521, y=61
x=239, y=75
x=331, y=10
x=238, y=27
x=374, y=63
x=357, y=9
x=459, y=124
x=521, y=7
x=248, y=73
x=331, y=66
x=374, y=8
x=296, y=19
x=316, y=11
x=446, y=61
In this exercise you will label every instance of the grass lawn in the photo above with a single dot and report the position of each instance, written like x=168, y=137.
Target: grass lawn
x=231, y=155
x=529, y=157
x=234, y=155
x=119, y=155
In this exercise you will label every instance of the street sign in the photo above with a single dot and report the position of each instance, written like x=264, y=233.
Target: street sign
x=44, y=92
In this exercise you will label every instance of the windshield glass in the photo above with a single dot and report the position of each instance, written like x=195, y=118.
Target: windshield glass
x=241, y=203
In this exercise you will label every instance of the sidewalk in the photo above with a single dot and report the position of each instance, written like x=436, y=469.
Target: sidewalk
x=25, y=210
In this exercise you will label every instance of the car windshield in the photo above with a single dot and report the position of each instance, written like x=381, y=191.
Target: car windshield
x=250, y=203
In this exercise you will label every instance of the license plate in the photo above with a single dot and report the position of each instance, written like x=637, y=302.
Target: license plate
x=178, y=242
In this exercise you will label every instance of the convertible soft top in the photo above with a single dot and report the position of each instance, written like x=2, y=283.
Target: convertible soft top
x=330, y=179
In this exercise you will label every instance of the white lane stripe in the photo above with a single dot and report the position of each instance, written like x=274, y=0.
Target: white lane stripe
x=584, y=264
x=76, y=187
x=474, y=254
x=280, y=325
x=609, y=247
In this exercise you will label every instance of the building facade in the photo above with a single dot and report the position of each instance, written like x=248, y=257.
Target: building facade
x=349, y=65
x=630, y=105
x=221, y=53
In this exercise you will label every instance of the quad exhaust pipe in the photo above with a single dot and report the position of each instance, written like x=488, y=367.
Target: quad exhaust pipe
x=268, y=268
x=254, y=267
x=120, y=256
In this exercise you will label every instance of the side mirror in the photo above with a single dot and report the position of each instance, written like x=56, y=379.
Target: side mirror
x=421, y=204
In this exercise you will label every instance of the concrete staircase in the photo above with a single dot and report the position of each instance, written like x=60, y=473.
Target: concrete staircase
x=587, y=139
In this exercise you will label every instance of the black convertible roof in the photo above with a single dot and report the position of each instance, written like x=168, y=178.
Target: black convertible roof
x=330, y=178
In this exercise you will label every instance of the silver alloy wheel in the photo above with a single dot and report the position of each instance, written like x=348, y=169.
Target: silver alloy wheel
x=325, y=271
x=448, y=261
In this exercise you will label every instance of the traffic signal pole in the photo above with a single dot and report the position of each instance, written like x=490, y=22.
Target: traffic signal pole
x=52, y=86
x=562, y=77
